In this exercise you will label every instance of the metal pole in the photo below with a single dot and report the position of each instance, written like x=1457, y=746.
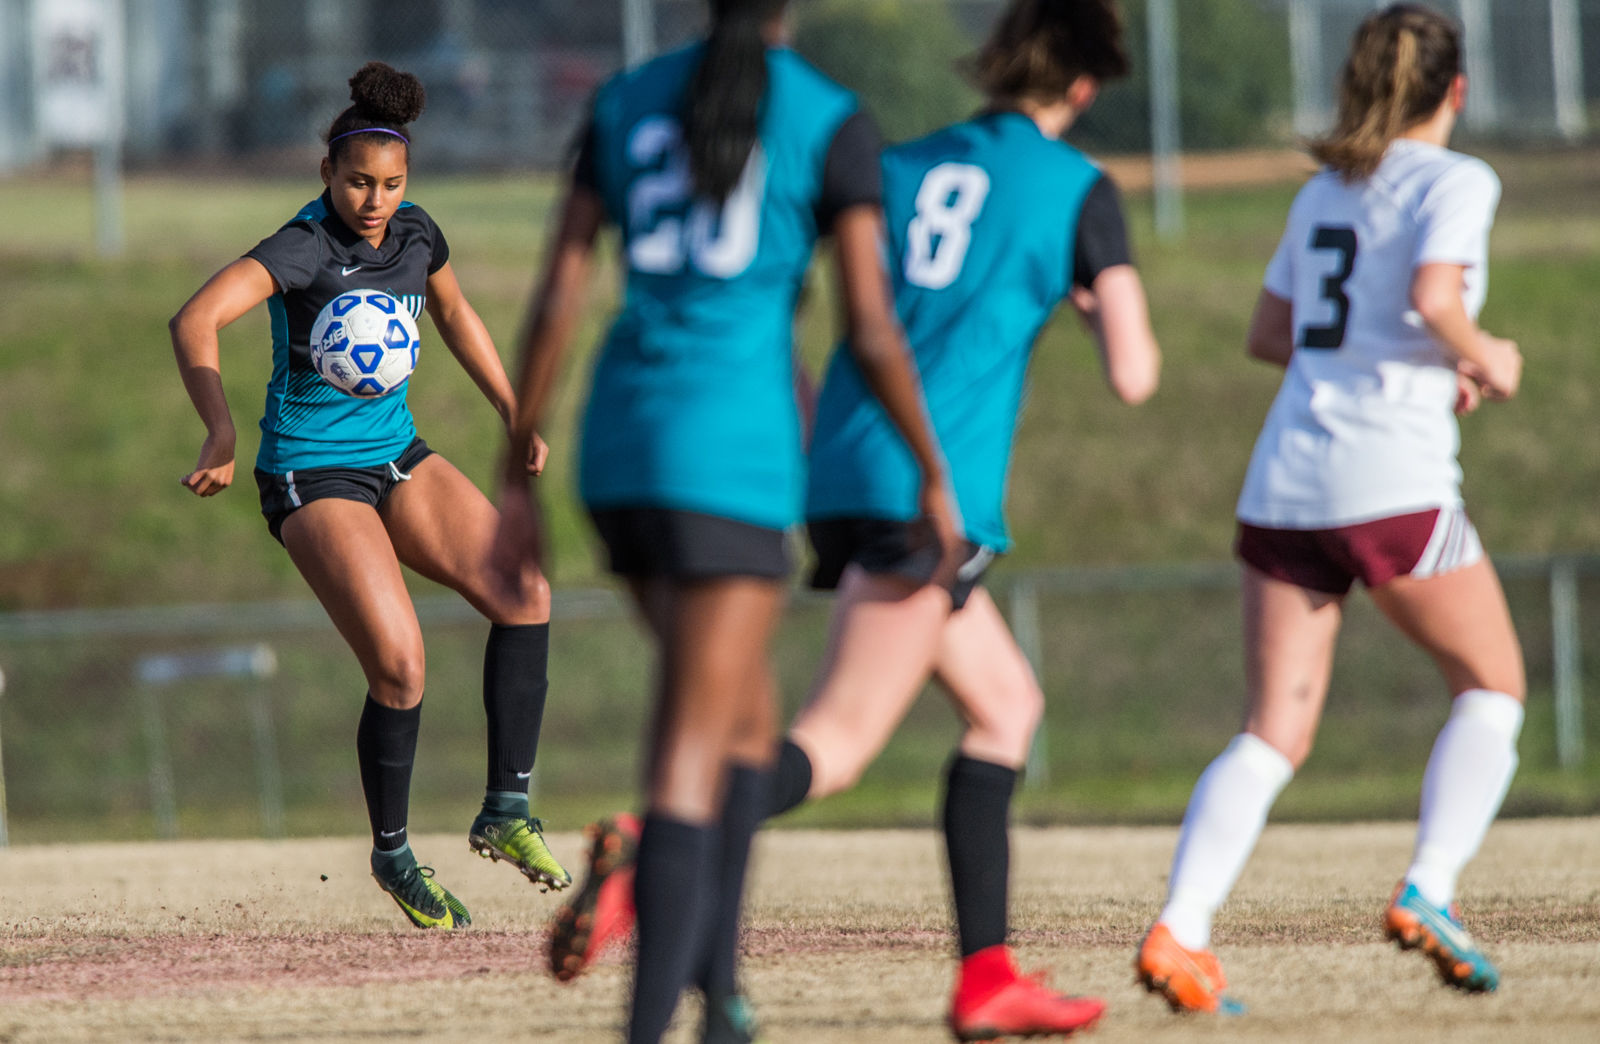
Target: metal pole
x=1164, y=136
x=1566, y=61
x=638, y=31
x=1483, y=104
x=268, y=773
x=109, y=235
x=1305, y=65
x=1025, y=627
x=163, y=795
x=5, y=837
x=1566, y=654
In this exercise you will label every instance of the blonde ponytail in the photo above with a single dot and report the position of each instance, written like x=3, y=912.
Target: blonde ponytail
x=1402, y=62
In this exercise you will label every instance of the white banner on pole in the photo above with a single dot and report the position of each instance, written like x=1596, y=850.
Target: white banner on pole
x=78, y=71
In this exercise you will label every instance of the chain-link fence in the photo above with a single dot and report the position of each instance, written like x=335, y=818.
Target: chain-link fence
x=508, y=79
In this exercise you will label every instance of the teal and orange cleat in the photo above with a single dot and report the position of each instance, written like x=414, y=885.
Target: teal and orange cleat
x=1190, y=980
x=1414, y=923
x=602, y=911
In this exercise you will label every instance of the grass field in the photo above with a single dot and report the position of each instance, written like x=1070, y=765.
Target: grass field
x=1143, y=686
x=846, y=940
x=94, y=420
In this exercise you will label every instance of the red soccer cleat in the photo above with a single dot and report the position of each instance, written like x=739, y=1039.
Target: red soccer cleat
x=602, y=911
x=993, y=1000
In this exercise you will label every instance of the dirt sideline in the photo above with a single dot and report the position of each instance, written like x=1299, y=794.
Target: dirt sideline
x=848, y=936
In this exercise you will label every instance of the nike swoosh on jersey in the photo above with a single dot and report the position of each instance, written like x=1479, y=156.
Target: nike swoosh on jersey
x=352, y=268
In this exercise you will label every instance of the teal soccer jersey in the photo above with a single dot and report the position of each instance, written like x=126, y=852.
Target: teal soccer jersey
x=990, y=225
x=691, y=404
x=313, y=259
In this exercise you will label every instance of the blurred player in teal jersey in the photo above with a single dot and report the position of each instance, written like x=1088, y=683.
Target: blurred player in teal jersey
x=992, y=223
x=352, y=493
x=721, y=164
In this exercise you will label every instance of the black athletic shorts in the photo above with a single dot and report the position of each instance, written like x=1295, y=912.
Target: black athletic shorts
x=688, y=545
x=885, y=546
x=282, y=495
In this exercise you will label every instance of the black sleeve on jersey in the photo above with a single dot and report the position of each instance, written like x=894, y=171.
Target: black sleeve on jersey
x=441, y=247
x=583, y=165
x=851, y=175
x=1102, y=239
x=290, y=255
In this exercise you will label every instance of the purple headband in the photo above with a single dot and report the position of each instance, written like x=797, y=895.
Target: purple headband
x=370, y=130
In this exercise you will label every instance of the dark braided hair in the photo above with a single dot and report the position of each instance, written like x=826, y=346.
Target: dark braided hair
x=384, y=100
x=722, y=118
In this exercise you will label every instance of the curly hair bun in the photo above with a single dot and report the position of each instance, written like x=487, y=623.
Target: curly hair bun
x=387, y=95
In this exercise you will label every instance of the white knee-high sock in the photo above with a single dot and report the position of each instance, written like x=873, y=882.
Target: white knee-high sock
x=1220, y=828
x=1468, y=773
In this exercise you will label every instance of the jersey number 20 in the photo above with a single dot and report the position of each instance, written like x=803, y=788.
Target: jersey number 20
x=667, y=233
x=1341, y=239
x=949, y=201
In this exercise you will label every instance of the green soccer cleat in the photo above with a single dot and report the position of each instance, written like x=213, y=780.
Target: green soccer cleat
x=519, y=840
x=421, y=898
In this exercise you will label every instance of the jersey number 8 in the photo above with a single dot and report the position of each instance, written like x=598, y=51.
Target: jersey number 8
x=666, y=233
x=950, y=199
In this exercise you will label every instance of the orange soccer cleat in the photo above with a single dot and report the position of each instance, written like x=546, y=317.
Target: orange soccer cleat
x=1190, y=980
x=602, y=911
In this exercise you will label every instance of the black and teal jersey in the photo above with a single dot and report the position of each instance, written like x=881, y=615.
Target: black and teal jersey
x=314, y=258
x=990, y=225
x=691, y=404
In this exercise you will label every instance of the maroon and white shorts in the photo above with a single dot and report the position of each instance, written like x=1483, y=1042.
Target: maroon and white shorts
x=1420, y=544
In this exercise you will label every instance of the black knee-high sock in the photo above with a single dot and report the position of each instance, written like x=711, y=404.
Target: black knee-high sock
x=741, y=818
x=386, y=746
x=977, y=804
x=789, y=781
x=672, y=890
x=515, y=662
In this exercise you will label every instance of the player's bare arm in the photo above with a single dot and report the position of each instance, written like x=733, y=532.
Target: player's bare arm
x=225, y=297
x=556, y=310
x=1128, y=350
x=1494, y=362
x=463, y=332
x=1271, y=337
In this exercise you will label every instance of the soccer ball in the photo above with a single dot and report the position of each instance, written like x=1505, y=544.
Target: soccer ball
x=364, y=343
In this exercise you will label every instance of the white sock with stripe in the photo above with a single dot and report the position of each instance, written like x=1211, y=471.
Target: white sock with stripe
x=1220, y=828
x=1468, y=773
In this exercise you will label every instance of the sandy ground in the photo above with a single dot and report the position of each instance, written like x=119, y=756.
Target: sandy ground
x=847, y=941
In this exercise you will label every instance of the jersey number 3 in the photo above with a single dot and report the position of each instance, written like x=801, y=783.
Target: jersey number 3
x=1341, y=239
x=666, y=233
x=949, y=201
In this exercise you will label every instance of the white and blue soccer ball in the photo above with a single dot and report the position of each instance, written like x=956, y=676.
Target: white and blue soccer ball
x=364, y=343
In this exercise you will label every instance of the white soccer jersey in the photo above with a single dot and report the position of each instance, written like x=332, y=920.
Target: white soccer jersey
x=1363, y=426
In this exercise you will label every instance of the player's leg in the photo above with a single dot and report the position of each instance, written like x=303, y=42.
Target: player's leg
x=1461, y=619
x=995, y=690
x=344, y=553
x=729, y=1016
x=1289, y=637
x=716, y=646
x=444, y=528
x=882, y=640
